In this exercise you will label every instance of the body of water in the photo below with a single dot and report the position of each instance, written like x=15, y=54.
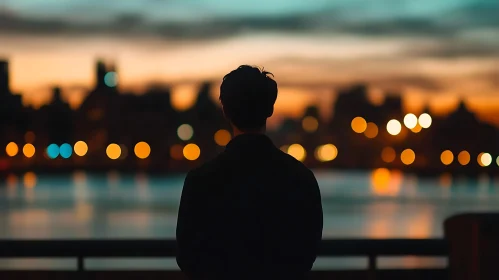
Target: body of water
x=377, y=204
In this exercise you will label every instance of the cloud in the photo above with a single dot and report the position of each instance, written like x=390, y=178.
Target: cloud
x=329, y=21
x=456, y=49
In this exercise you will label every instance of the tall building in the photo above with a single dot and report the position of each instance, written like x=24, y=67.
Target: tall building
x=106, y=77
x=4, y=77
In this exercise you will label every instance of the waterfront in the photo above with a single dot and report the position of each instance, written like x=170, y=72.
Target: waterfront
x=378, y=204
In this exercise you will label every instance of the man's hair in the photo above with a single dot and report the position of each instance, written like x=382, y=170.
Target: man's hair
x=248, y=95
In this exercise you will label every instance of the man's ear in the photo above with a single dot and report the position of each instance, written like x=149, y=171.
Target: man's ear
x=271, y=112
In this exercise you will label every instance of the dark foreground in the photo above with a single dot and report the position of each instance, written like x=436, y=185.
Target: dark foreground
x=83, y=249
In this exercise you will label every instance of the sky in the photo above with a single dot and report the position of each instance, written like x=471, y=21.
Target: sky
x=433, y=52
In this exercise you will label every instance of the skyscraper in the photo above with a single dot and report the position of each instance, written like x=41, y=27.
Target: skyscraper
x=100, y=74
x=4, y=77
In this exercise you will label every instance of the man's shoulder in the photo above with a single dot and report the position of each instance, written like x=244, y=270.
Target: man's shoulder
x=207, y=169
x=295, y=165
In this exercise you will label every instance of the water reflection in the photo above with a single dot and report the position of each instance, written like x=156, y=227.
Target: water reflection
x=29, y=180
x=385, y=182
x=11, y=181
x=445, y=180
x=113, y=178
x=379, y=204
x=84, y=211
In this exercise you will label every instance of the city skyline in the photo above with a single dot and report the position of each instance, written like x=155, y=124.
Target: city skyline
x=432, y=53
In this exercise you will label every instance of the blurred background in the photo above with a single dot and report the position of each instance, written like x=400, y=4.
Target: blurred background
x=105, y=105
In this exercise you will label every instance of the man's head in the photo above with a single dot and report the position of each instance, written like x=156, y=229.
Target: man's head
x=248, y=95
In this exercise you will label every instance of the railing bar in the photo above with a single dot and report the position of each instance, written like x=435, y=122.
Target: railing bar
x=372, y=266
x=80, y=264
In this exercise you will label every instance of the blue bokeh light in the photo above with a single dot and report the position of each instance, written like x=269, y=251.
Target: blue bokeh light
x=66, y=150
x=111, y=79
x=53, y=151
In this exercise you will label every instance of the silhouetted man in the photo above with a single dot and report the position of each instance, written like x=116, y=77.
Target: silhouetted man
x=253, y=212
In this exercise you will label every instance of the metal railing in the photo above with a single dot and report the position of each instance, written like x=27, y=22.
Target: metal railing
x=94, y=248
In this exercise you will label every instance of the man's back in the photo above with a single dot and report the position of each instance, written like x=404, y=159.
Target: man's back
x=254, y=212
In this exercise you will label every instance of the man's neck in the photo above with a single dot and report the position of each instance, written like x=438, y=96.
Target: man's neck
x=237, y=131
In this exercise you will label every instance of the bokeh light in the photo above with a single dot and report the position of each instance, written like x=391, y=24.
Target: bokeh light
x=447, y=157
x=142, y=150
x=297, y=151
x=29, y=180
x=29, y=150
x=408, y=156
x=410, y=121
x=497, y=161
x=417, y=128
x=81, y=148
x=222, y=137
x=111, y=79
x=393, y=127
x=191, y=151
x=66, y=150
x=185, y=132
x=11, y=149
x=284, y=148
x=425, y=120
x=326, y=152
x=177, y=152
x=485, y=159
x=479, y=159
x=124, y=151
x=464, y=158
x=310, y=124
x=29, y=137
x=53, y=151
x=359, y=125
x=388, y=154
x=371, y=130
x=113, y=151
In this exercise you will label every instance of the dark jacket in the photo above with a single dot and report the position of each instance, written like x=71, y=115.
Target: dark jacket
x=253, y=212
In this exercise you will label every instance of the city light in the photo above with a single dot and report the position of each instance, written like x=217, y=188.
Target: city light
x=359, y=125
x=393, y=127
x=191, y=152
x=52, y=151
x=185, y=132
x=297, y=151
x=222, y=137
x=388, y=154
x=410, y=121
x=111, y=79
x=447, y=157
x=177, y=152
x=310, y=124
x=142, y=150
x=29, y=137
x=29, y=150
x=485, y=159
x=417, y=128
x=464, y=158
x=113, y=151
x=66, y=150
x=284, y=148
x=408, y=156
x=371, y=130
x=11, y=149
x=326, y=152
x=81, y=148
x=124, y=151
x=425, y=120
